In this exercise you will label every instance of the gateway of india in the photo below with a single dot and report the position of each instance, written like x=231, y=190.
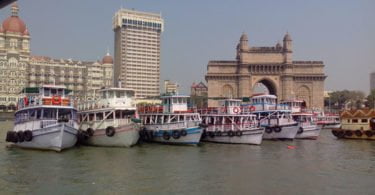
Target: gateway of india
x=271, y=66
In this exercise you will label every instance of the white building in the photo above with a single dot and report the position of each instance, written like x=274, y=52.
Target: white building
x=137, y=51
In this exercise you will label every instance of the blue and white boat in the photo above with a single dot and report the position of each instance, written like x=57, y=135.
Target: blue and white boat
x=172, y=123
x=275, y=118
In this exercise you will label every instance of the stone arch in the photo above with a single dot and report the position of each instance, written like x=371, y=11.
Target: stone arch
x=228, y=91
x=304, y=93
x=269, y=84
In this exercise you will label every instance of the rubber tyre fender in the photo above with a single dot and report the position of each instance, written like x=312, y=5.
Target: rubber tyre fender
x=369, y=133
x=268, y=130
x=300, y=130
x=211, y=134
x=239, y=133
x=110, y=131
x=358, y=133
x=230, y=133
x=277, y=129
x=166, y=135
x=8, y=137
x=183, y=132
x=28, y=135
x=20, y=136
x=348, y=133
x=90, y=132
x=340, y=134
x=335, y=133
x=176, y=134
x=14, y=137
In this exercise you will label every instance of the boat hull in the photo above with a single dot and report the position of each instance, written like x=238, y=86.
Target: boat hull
x=309, y=132
x=330, y=126
x=192, y=137
x=56, y=138
x=287, y=132
x=125, y=136
x=363, y=135
x=254, y=137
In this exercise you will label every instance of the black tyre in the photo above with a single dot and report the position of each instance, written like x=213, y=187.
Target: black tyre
x=277, y=129
x=348, y=133
x=28, y=135
x=20, y=136
x=369, y=133
x=183, y=132
x=166, y=135
x=230, y=133
x=358, y=133
x=268, y=130
x=90, y=132
x=239, y=133
x=176, y=134
x=8, y=137
x=300, y=130
x=110, y=131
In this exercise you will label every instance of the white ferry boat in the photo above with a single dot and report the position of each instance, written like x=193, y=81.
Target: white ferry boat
x=173, y=123
x=308, y=129
x=231, y=124
x=110, y=120
x=328, y=120
x=45, y=119
x=276, y=118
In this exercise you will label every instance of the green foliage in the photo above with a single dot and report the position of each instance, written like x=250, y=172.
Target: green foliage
x=340, y=99
x=371, y=99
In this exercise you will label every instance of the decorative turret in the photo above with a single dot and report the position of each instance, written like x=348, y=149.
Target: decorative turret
x=244, y=45
x=287, y=43
x=107, y=59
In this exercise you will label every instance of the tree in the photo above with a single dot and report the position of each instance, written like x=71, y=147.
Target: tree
x=341, y=99
x=371, y=99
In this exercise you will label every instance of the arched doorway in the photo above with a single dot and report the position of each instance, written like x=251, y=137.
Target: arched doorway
x=303, y=93
x=227, y=91
x=264, y=86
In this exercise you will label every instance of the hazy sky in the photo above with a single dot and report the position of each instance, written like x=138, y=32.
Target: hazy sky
x=338, y=32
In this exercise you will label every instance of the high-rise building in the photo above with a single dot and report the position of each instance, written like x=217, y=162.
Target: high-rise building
x=170, y=87
x=137, y=51
x=372, y=81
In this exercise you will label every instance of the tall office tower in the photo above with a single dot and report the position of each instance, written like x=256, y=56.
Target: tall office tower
x=372, y=81
x=137, y=51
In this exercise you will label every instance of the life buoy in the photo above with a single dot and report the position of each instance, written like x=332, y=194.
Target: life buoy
x=176, y=134
x=348, y=133
x=239, y=133
x=183, y=132
x=230, y=133
x=358, y=133
x=28, y=135
x=236, y=110
x=90, y=132
x=252, y=108
x=110, y=131
x=56, y=100
x=26, y=101
x=166, y=135
x=300, y=130
x=277, y=129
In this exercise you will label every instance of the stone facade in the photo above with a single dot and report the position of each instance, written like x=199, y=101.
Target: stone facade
x=271, y=66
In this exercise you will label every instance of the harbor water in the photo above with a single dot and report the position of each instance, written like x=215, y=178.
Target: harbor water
x=323, y=166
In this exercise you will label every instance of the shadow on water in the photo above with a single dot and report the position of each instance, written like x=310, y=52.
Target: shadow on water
x=326, y=165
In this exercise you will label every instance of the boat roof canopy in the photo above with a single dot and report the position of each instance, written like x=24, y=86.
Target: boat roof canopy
x=116, y=89
x=39, y=89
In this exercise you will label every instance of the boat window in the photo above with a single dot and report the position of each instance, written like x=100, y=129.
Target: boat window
x=49, y=113
x=111, y=94
x=120, y=94
x=60, y=92
x=119, y=114
x=348, y=120
x=354, y=120
x=65, y=114
x=47, y=92
x=99, y=116
x=91, y=116
x=53, y=91
x=109, y=115
x=174, y=100
x=103, y=94
x=364, y=121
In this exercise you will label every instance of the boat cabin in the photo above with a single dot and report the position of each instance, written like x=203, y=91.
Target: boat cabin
x=230, y=106
x=295, y=105
x=112, y=98
x=360, y=119
x=266, y=102
x=304, y=118
x=47, y=95
x=175, y=103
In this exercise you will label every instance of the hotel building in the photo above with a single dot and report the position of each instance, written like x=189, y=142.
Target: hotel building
x=137, y=51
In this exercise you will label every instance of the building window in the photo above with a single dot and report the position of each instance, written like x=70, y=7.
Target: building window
x=364, y=121
x=354, y=120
